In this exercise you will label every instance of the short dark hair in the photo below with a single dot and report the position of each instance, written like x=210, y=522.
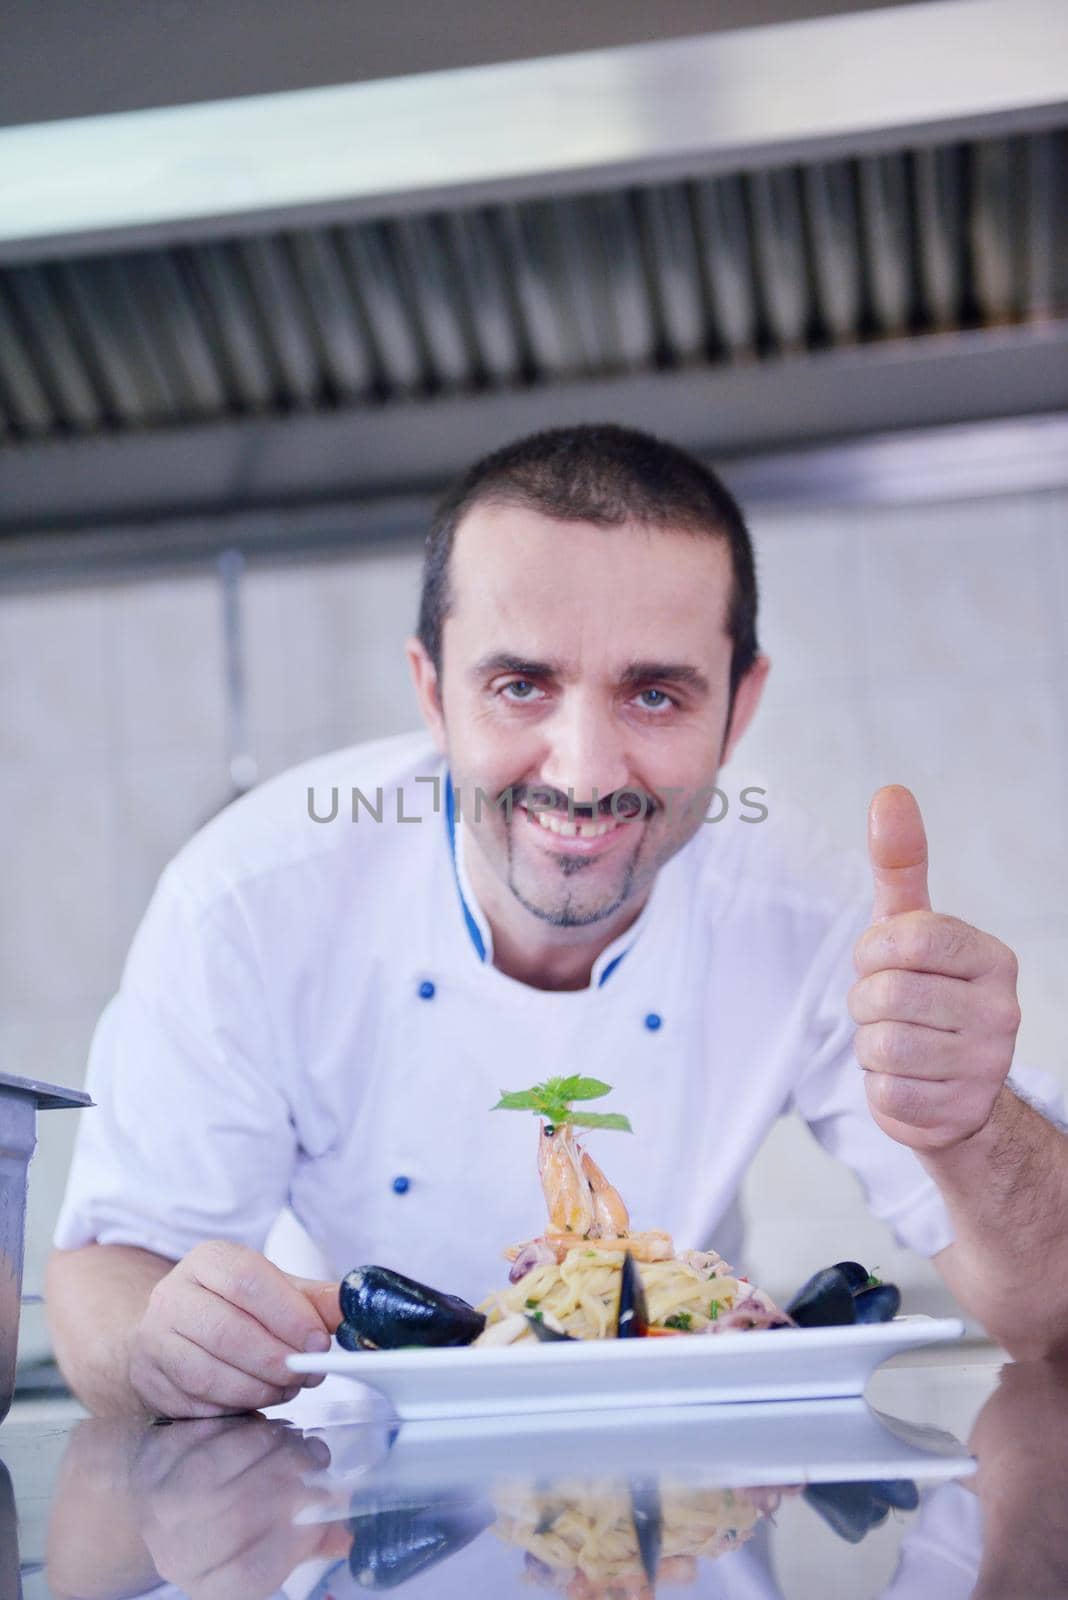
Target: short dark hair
x=607, y=475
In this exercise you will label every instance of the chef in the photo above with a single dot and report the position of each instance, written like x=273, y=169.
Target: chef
x=337, y=977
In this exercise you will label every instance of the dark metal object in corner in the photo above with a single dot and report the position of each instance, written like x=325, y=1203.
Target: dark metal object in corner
x=20, y=1100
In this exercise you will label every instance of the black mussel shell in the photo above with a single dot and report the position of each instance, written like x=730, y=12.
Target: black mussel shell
x=632, y=1320
x=900, y=1493
x=854, y=1274
x=548, y=1335
x=347, y=1337
x=388, y=1310
x=849, y=1508
x=390, y=1547
x=878, y=1304
x=648, y=1515
x=825, y=1301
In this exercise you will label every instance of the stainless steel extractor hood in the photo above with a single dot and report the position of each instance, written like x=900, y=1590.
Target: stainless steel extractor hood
x=752, y=240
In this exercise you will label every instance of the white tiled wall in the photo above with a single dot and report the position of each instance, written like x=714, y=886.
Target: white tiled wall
x=920, y=645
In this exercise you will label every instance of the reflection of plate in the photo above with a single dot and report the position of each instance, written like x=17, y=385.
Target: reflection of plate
x=771, y=1364
x=713, y=1447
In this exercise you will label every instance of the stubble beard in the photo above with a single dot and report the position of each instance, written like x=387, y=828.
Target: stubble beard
x=570, y=914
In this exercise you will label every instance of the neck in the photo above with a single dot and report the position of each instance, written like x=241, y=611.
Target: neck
x=536, y=952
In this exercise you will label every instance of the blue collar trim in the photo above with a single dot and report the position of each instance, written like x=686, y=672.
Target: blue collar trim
x=450, y=818
x=611, y=967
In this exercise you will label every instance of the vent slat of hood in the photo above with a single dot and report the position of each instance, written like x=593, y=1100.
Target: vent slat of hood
x=834, y=231
x=728, y=258
x=56, y=354
x=887, y=231
x=741, y=268
x=340, y=341
x=25, y=401
x=482, y=268
x=779, y=248
x=673, y=270
x=224, y=303
x=377, y=293
x=942, y=253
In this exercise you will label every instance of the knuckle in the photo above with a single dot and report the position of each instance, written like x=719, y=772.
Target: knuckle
x=900, y=1098
x=913, y=941
x=956, y=936
x=902, y=994
x=885, y=1043
x=1001, y=1013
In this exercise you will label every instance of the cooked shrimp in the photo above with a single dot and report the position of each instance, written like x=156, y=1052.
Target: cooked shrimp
x=610, y=1214
x=567, y=1190
x=579, y=1196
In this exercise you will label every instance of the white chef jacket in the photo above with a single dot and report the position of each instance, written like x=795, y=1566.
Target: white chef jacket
x=310, y=1016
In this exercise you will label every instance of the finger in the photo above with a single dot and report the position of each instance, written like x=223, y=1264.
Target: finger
x=976, y=1009
x=203, y=1377
x=167, y=1401
x=255, y=1285
x=325, y=1297
x=212, y=1462
x=926, y=941
x=897, y=847
x=896, y=995
x=924, y=1114
x=906, y=1049
x=228, y=1515
x=231, y=1334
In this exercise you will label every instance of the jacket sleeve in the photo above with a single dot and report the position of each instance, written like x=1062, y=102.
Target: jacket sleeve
x=191, y=1136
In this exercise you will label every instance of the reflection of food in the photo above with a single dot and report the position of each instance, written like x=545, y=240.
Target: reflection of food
x=581, y=1538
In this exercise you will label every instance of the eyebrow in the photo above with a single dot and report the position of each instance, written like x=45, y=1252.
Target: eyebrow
x=502, y=661
x=679, y=673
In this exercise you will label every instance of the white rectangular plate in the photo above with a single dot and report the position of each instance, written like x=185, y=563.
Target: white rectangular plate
x=766, y=1364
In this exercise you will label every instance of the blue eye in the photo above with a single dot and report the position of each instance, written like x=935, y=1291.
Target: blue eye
x=521, y=689
x=653, y=699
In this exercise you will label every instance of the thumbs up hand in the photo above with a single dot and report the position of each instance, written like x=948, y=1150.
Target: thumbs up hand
x=935, y=1002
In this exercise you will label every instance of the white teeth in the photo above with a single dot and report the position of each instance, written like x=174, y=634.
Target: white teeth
x=572, y=830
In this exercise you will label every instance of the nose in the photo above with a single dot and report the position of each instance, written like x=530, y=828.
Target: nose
x=586, y=750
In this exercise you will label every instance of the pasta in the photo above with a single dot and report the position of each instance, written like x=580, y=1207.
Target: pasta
x=580, y=1294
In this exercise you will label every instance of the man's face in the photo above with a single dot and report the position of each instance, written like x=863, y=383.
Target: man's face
x=586, y=664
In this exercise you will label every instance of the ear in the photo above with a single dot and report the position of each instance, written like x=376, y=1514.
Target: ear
x=746, y=700
x=425, y=678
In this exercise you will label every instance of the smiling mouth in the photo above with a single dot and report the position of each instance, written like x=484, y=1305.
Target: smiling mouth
x=566, y=829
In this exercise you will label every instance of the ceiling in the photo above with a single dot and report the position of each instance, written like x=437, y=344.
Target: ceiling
x=79, y=58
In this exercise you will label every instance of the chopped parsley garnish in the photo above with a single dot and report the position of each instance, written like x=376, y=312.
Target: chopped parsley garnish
x=679, y=1319
x=713, y=1311
x=531, y=1305
x=537, y=1316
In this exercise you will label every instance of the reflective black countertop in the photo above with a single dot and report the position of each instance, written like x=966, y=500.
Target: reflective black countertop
x=950, y=1479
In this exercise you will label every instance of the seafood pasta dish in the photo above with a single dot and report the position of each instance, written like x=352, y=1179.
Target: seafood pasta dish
x=588, y=1275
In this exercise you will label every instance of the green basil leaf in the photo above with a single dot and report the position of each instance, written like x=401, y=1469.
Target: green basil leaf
x=519, y=1100
x=583, y=1088
x=600, y=1119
